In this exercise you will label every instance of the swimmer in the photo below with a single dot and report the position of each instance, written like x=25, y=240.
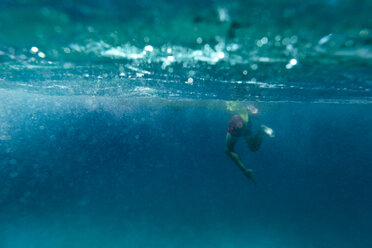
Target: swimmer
x=239, y=126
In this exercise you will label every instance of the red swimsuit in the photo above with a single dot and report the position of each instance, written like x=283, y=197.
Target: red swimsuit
x=236, y=126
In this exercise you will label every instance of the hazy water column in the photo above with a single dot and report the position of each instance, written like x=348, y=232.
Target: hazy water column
x=78, y=171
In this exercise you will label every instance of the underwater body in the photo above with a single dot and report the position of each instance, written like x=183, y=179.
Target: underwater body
x=114, y=114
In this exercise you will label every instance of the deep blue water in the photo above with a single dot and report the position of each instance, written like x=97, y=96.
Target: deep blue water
x=113, y=118
x=111, y=172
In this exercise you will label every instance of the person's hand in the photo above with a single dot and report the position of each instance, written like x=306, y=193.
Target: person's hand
x=252, y=109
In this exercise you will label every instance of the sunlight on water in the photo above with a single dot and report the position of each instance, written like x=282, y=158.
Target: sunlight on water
x=276, y=44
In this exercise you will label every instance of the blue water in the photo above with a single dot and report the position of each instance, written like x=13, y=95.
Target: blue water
x=113, y=118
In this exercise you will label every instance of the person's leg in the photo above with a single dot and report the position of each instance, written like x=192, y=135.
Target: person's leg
x=229, y=150
x=254, y=142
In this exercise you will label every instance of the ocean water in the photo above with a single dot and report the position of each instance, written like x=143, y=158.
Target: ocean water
x=113, y=118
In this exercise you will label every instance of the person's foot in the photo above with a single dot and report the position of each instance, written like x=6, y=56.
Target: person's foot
x=268, y=131
x=249, y=174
